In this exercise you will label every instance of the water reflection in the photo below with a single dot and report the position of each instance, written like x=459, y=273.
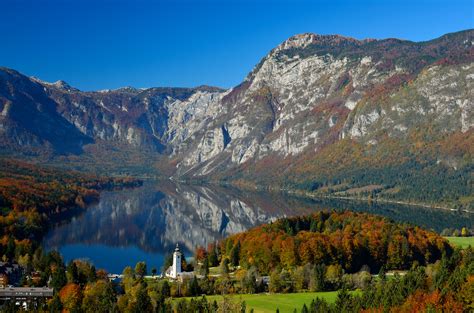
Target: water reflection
x=145, y=223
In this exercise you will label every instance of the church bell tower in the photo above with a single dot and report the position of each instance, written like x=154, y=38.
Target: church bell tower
x=176, y=270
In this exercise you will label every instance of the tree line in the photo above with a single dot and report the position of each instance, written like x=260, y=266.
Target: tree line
x=352, y=240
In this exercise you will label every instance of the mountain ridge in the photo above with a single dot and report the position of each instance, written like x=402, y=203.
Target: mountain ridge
x=372, y=105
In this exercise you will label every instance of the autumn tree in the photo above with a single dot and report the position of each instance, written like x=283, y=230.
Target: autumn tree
x=98, y=296
x=71, y=297
x=140, y=269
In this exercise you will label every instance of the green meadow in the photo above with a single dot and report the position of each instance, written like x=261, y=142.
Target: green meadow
x=285, y=302
x=462, y=242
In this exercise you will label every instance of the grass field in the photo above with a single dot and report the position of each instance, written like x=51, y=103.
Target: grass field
x=462, y=242
x=268, y=303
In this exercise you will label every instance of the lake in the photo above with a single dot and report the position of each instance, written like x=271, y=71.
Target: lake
x=145, y=223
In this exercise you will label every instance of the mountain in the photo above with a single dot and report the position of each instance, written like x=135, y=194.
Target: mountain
x=29, y=119
x=320, y=113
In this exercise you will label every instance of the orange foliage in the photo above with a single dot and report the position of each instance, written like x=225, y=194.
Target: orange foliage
x=346, y=238
x=421, y=302
x=30, y=193
x=70, y=296
x=201, y=253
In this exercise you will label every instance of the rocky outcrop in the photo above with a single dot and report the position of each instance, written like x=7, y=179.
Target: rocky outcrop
x=308, y=93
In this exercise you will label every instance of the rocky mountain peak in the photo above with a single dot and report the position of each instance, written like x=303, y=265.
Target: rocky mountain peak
x=298, y=41
x=207, y=88
x=313, y=94
x=304, y=40
x=60, y=84
x=129, y=89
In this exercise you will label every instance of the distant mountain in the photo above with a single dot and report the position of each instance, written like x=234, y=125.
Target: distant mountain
x=321, y=113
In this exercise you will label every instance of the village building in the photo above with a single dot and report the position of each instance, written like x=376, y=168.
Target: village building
x=29, y=298
x=175, y=271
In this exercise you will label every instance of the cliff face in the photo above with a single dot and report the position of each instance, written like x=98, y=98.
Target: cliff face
x=309, y=96
x=312, y=91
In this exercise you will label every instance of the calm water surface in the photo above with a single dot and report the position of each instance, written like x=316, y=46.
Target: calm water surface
x=144, y=224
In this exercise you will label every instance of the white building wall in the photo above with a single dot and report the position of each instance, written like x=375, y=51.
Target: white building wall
x=176, y=269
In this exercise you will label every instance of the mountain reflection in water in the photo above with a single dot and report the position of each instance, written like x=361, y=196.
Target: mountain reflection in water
x=145, y=223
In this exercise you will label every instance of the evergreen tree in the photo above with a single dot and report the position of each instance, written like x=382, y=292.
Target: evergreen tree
x=225, y=266
x=212, y=257
x=194, y=288
x=72, y=273
x=243, y=307
x=318, y=277
x=143, y=302
x=304, y=309
x=235, y=254
x=343, y=301
x=313, y=226
x=92, y=274
x=165, y=289
x=10, y=251
x=215, y=306
x=58, y=278
x=55, y=304
x=382, y=273
x=205, y=267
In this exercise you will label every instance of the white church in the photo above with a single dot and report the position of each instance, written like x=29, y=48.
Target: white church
x=175, y=271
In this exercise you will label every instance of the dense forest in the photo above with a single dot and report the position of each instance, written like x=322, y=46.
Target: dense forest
x=353, y=240
x=418, y=170
x=31, y=195
x=328, y=250
x=446, y=286
x=321, y=252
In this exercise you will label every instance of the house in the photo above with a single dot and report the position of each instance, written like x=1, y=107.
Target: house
x=29, y=298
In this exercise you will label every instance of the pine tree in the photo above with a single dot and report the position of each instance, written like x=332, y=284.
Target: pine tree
x=194, y=288
x=55, y=304
x=318, y=277
x=165, y=289
x=205, y=268
x=10, y=251
x=235, y=254
x=58, y=278
x=72, y=273
x=143, y=302
x=304, y=309
x=343, y=301
x=382, y=274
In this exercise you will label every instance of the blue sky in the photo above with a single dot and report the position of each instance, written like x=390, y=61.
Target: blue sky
x=112, y=43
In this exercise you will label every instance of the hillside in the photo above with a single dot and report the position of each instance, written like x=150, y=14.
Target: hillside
x=353, y=240
x=325, y=114
x=31, y=195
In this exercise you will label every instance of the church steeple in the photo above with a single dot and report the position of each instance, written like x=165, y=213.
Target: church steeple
x=176, y=268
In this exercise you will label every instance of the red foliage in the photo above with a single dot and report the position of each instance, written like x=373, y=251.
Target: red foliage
x=201, y=253
x=421, y=301
x=350, y=239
